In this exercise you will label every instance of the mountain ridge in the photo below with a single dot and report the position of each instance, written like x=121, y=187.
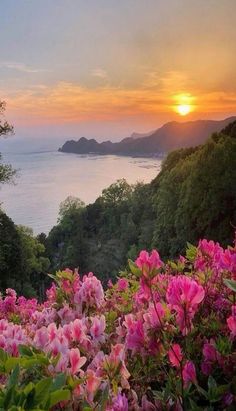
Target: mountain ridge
x=171, y=136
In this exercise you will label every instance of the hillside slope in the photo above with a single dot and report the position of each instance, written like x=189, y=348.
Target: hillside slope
x=170, y=136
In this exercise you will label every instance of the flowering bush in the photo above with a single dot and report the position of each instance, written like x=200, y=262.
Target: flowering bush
x=162, y=338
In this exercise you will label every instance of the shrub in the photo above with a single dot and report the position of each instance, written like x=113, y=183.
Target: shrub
x=161, y=338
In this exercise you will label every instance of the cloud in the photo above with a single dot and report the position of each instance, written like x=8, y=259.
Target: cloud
x=67, y=102
x=20, y=67
x=99, y=72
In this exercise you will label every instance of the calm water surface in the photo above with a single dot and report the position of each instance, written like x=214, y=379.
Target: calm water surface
x=46, y=177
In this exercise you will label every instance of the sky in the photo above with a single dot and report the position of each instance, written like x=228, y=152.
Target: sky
x=106, y=68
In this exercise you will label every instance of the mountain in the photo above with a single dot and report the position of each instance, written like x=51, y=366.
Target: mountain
x=170, y=136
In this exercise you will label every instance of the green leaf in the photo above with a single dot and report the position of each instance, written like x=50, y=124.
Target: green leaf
x=134, y=269
x=194, y=406
x=8, y=398
x=211, y=382
x=58, y=382
x=11, y=363
x=58, y=396
x=191, y=252
x=14, y=376
x=3, y=356
x=42, y=389
x=230, y=284
x=29, y=387
x=25, y=351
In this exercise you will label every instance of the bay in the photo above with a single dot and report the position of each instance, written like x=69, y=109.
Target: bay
x=46, y=177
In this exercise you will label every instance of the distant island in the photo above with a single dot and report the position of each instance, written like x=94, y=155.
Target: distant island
x=170, y=136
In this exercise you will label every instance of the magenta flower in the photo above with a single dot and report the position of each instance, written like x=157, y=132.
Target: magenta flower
x=209, y=352
x=135, y=333
x=175, y=355
x=153, y=317
x=189, y=373
x=120, y=403
x=184, y=296
x=122, y=284
x=231, y=322
x=149, y=263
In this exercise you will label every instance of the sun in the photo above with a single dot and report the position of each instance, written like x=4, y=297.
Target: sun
x=184, y=109
x=184, y=104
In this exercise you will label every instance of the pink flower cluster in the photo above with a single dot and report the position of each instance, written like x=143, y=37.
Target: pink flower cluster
x=150, y=342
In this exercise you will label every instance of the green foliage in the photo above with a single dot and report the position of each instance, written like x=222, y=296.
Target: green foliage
x=10, y=253
x=194, y=196
x=29, y=388
x=22, y=262
x=6, y=171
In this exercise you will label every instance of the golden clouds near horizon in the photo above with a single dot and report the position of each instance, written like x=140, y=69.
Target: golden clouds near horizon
x=184, y=104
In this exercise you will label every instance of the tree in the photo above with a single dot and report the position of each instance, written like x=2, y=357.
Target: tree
x=10, y=254
x=6, y=171
x=34, y=264
x=71, y=205
x=196, y=196
x=116, y=193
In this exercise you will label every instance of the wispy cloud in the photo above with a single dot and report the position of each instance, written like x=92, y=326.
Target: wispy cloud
x=12, y=65
x=154, y=98
x=99, y=72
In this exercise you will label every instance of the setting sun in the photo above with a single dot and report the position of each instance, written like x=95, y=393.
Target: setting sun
x=184, y=104
x=184, y=109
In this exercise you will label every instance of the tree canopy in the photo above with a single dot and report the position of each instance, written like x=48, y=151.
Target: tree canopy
x=6, y=170
x=194, y=196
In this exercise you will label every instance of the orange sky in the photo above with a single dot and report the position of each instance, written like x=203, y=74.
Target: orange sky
x=86, y=68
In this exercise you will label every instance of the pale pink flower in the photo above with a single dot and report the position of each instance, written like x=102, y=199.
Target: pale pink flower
x=91, y=293
x=76, y=360
x=92, y=382
x=78, y=331
x=98, y=327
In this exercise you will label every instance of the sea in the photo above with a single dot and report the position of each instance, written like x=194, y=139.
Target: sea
x=46, y=177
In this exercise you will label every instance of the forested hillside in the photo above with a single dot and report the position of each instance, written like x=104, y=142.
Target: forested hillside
x=193, y=197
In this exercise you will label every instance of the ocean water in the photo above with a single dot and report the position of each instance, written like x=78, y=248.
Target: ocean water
x=46, y=177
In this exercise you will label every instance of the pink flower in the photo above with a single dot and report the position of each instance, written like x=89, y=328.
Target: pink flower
x=52, y=293
x=155, y=314
x=209, y=352
x=135, y=333
x=98, y=327
x=231, y=322
x=147, y=405
x=175, y=355
x=122, y=284
x=184, y=295
x=120, y=403
x=78, y=331
x=91, y=293
x=189, y=373
x=92, y=382
x=76, y=360
x=149, y=264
